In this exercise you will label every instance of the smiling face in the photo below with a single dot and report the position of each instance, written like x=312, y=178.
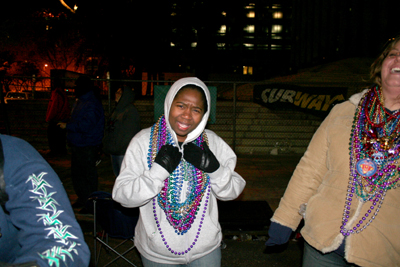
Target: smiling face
x=390, y=74
x=186, y=112
x=391, y=67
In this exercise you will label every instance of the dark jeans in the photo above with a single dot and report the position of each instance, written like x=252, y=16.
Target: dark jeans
x=315, y=258
x=57, y=139
x=84, y=171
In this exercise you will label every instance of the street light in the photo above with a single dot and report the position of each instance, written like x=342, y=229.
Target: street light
x=70, y=9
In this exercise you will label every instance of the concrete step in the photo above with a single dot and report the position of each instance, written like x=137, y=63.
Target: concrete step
x=278, y=136
x=266, y=129
x=258, y=130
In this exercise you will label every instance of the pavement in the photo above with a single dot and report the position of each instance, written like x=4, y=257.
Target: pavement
x=244, y=221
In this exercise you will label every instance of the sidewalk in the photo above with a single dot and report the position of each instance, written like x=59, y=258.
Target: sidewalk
x=266, y=176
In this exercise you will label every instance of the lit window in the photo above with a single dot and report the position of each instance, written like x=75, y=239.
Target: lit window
x=247, y=70
x=224, y=13
x=276, y=47
x=173, y=14
x=222, y=30
x=249, y=28
x=276, y=28
x=194, y=44
x=251, y=14
x=277, y=15
x=172, y=44
x=248, y=45
x=221, y=45
x=92, y=63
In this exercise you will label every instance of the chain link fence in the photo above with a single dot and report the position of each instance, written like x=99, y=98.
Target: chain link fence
x=248, y=127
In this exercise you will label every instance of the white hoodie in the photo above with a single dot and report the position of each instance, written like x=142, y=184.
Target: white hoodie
x=137, y=185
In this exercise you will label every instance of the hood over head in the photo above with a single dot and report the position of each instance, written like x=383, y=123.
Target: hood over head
x=127, y=98
x=170, y=98
x=83, y=85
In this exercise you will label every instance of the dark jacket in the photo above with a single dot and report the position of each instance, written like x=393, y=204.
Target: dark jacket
x=86, y=126
x=37, y=222
x=122, y=125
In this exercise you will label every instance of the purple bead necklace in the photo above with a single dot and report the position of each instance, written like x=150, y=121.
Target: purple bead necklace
x=180, y=215
x=374, y=151
x=198, y=230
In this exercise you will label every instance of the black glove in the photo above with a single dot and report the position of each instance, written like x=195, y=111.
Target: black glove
x=201, y=159
x=168, y=157
x=278, y=238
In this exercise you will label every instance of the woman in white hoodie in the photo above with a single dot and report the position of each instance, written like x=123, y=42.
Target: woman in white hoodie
x=175, y=171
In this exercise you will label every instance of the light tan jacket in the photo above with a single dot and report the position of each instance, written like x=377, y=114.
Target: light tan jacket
x=321, y=180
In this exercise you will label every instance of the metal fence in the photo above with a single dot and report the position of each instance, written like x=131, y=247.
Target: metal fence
x=248, y=127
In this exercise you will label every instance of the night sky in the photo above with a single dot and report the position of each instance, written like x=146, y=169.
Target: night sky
x=121, y=28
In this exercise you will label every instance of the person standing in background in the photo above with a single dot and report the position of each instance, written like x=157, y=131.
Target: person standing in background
x=121, y=127
x=85, y=132
x=58, y=110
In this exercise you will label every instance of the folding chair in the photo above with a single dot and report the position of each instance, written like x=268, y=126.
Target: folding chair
x=115, y=222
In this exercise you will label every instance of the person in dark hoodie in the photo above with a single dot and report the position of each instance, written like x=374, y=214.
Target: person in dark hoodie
x=85, y=132
x=121, y=127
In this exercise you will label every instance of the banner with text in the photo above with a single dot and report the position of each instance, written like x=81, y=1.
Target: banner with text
x=315, y=100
